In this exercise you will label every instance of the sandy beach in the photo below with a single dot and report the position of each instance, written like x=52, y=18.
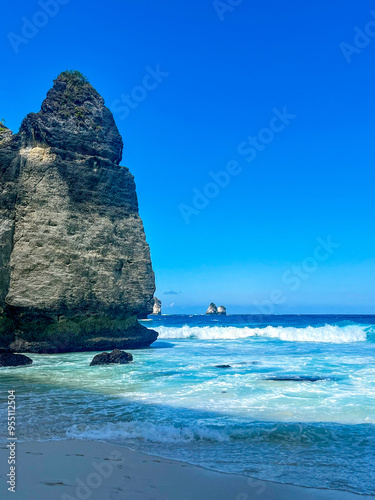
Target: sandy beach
x=66, y=470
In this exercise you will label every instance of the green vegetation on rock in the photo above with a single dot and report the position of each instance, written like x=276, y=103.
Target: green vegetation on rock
x=73, y=77
x=2, y=125
x=76, y=91
x=80, y=112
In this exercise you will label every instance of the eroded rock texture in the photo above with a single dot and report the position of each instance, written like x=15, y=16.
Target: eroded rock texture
x=75, y=268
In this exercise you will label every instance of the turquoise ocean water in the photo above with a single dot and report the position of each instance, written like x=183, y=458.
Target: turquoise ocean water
x=295, y=402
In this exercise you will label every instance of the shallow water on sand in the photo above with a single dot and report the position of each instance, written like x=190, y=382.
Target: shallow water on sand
x=284, y=398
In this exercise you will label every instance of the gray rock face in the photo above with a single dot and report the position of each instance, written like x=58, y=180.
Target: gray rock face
x=114, y=357
x=212, y=309
x=221, y=310
x=75, y=267
x=157, y=306
x=10, y=359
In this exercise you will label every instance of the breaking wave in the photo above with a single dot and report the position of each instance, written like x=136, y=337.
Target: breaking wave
x=147, y=431
x=256, y=432
x=329, y=333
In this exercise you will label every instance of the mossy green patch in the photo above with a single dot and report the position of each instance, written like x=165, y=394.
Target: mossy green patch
x=71, y=331
x=80, y=112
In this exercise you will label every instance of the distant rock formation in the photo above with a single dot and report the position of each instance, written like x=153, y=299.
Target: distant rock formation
x=212, y=309
x=114, y=357
x=157, y=306
x=75, y=267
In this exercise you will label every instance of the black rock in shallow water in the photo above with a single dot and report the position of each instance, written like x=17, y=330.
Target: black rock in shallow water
x=114, y=357
x=10, y=359
x=238, y=365
x=297, y=378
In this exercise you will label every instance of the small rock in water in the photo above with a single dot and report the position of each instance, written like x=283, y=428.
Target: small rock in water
x=10, y=359
x=223, y=366
x=222, y=310
x=297, y=378
x=114, y=357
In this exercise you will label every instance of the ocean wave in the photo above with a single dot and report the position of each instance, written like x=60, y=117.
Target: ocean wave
x=329, y=333
x=251, y=432
x=147, y=431
x=303, y=454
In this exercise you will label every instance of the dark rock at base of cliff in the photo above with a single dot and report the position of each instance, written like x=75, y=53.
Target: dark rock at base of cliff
x=114, y=357
x=82, y=335
x=10, y=359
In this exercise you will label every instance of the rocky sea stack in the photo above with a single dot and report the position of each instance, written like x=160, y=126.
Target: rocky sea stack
x=75, y=268
x=157, y=306
x=222, y=310
x=213, y=310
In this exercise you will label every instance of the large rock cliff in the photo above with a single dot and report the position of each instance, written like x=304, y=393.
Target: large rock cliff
x=75, y=268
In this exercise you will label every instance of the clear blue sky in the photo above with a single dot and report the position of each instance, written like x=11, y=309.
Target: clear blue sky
x=225, y=77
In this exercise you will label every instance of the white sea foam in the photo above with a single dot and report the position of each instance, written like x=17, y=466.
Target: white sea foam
x=328, y=333
x=147, y=431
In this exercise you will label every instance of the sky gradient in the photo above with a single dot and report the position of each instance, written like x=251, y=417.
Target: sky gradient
x=263, y=91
